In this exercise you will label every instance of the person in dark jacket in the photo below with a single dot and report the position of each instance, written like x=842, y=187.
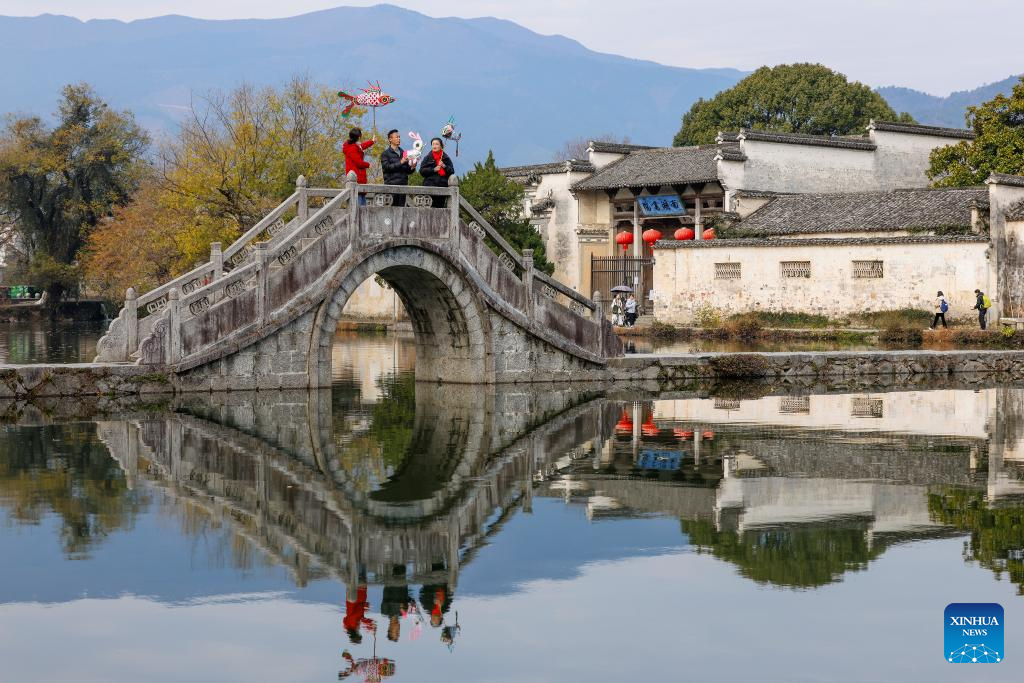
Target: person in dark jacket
x=437, y=168
x=982, y=308
x=396, y=169
x=354, y=160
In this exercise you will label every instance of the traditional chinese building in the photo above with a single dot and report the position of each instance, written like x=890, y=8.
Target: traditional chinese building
x=776, y=187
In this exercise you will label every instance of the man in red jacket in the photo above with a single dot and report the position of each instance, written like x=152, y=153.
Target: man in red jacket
x=354, y=160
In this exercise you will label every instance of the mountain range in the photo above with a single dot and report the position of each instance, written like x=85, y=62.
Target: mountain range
x=944, y=111
x=509, y=89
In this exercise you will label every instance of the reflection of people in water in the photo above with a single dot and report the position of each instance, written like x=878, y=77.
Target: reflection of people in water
x=395, y=604
x=448, y=633
x=372, y=670
x=436, y=599
x=355, y=616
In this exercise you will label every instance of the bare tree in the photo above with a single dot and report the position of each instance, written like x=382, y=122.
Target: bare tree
x=576, y=148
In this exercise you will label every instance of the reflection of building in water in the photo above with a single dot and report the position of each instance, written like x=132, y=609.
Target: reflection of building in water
x=797, y=490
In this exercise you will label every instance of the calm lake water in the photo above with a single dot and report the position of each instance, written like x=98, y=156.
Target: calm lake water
x=382, y=530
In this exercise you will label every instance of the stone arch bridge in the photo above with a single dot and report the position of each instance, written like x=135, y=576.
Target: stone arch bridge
x=262, y=314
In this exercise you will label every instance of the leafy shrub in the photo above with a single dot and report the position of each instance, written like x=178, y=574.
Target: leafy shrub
x=707, y=317
x=663, y=330
x=744, y=328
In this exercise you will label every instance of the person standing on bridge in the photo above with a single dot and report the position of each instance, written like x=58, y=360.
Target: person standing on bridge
x=396, y=169
x=437, y=169
x=354, y=160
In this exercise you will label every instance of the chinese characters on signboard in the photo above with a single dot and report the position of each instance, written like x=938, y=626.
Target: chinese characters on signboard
x=662, y=205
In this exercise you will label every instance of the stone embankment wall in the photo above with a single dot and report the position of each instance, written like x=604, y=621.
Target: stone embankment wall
x=683, y=372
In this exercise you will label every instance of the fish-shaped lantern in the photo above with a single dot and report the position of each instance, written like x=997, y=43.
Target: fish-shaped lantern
x=371, y=97
x=448, y=133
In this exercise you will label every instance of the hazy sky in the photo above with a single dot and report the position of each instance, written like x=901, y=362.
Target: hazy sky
x=933, y=45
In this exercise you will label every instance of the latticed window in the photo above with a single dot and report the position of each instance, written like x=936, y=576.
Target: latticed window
x=867, y=407
x=727, y=271
x=867, y=269
x=795, y=404
x=795, y=268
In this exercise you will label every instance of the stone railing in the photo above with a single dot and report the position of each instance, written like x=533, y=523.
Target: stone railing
x=137, y=317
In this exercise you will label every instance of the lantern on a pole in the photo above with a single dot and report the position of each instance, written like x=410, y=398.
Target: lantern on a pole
x=624, y=239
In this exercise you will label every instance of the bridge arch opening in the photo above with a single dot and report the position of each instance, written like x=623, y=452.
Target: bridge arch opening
x=449, y=321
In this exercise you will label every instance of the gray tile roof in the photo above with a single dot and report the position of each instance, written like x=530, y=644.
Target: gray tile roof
x=555, y=167
x=818, y=241
x=846, y=142
x=798, y=214
x=918, y=129
x=660, y=166
x=1005, y=179
x=616, y=147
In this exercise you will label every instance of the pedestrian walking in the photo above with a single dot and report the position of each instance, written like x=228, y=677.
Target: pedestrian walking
x=982, y=304
x=354, y=160
x=630, y=311
x=437, y=169
x=396, y=168
x=941, y=306
x=617, y=310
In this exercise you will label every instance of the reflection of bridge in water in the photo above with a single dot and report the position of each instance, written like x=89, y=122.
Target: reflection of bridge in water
x=276, y=469
x=270, y=464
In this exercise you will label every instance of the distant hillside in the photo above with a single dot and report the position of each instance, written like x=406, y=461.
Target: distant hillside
x=943, y=111
x=518, y=92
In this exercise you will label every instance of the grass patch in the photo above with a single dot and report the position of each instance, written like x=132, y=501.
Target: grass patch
x=903, y=337
x=785, y=319
x=739, y=366
x=896, y=318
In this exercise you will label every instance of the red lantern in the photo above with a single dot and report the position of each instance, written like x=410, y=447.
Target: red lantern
x=624, y=239
x=651, y=236
x=709, y=234
x=685, y=234
x=682, y=433
x=708, y=436
x=649, y=428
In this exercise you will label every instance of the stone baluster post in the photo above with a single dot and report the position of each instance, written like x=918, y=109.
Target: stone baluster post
x=351, y=187
x=173, y=326
x=217, y=259
x=131, y=323
x=453, y=206
x=262, y=271
x=528, y=281
x=303, y=207
x=599, y=319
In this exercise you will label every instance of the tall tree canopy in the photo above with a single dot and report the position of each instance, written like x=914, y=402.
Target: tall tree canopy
x=57, y=183
x=789, y=98
x=998, y=146
x=500, y=201
x=236, y=157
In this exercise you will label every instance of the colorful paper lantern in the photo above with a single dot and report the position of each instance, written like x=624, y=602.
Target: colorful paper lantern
x=624, y=239
x=683, y=234
x=709, y=234
x=624, y=424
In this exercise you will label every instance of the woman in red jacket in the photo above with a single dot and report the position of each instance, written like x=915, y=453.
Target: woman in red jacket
x=354, y=160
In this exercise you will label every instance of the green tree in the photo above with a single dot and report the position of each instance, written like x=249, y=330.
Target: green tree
x=59, y=182
x=998, y=145
x=789, y=98
x=500, y=201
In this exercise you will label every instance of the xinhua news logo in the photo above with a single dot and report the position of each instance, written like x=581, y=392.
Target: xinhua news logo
x=974, y=633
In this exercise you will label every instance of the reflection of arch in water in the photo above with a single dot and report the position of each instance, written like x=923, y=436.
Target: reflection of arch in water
x=251, y=460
